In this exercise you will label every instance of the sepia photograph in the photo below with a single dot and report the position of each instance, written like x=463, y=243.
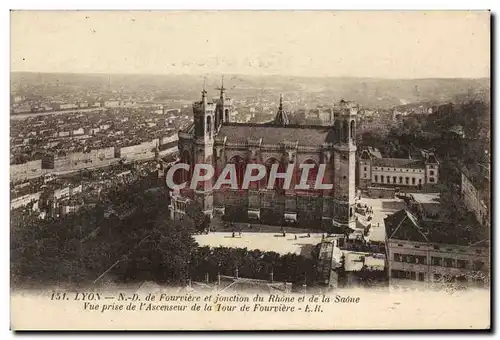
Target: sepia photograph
x=250, y=170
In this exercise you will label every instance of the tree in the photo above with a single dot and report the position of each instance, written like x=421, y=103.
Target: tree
x=166, y=252
x=194, y=211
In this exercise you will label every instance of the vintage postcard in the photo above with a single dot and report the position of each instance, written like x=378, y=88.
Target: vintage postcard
x=250, y=170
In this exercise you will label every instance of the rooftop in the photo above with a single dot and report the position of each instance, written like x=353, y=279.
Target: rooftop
x=426, y=198
x=403, y=225
x=398, y=163
x=355, y=261
x=311, y=135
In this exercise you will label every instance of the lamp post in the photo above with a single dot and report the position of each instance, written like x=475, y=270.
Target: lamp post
x=305, y=284
x=218, y=275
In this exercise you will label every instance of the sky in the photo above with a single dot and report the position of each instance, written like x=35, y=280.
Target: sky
x=440, y=44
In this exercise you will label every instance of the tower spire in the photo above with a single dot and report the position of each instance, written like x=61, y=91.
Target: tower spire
x=204, y=92
x=222, y=88
x=281, y=116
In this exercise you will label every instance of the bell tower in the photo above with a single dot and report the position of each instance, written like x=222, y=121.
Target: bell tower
x=204, y=134
x=344, y=160
x=224, y=107
x=204, y=114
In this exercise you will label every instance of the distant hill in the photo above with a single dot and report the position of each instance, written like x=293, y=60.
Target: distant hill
x=368, y=92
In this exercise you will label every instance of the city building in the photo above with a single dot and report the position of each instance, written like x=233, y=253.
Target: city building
x=456, y=131
x=425, y=251
x=59, y=201
x=326, y=116
x=329, y=260
x=112, y=103
x=374, y=170
x=340, y=267
x=213, y=139
x=363, y=267
x=476, y=191
x=24, y=171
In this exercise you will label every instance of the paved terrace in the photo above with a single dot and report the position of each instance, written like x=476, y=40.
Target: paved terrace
x=272, y=241
x=270, y=238
x=382, y=207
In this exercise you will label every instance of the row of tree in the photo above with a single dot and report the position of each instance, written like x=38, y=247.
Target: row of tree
x=256, y=264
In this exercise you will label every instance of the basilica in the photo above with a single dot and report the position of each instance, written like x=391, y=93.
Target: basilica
x=213, y=139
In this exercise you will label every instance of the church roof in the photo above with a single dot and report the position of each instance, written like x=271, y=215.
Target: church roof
x=189, y=128
x=274, y=134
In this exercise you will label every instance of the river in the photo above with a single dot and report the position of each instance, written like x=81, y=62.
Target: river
x=21, y=116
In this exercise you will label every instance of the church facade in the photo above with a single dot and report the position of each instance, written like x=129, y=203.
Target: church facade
x=213, y=139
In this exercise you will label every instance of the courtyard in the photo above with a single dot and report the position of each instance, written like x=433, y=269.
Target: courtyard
x=382, y=207
x=296, y=241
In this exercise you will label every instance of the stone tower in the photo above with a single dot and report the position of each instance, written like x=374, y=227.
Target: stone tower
x=344, y=160
x=204, y=134
x=431, y=169
x=223, y=108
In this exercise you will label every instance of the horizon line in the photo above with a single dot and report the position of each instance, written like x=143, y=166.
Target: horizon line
x=247, y=75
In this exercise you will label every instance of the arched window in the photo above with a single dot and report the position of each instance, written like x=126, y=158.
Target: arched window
x=345, y=131
x=254, y=184
x=182, y=175
x=313, y=173
x=240, y=166
x=353, y=130
x=279, y=181
x=220, y=116
x=209, y=126
x=226, y=113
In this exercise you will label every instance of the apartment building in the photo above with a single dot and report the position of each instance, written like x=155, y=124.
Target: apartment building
x=432, y=252
x=476, y=192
